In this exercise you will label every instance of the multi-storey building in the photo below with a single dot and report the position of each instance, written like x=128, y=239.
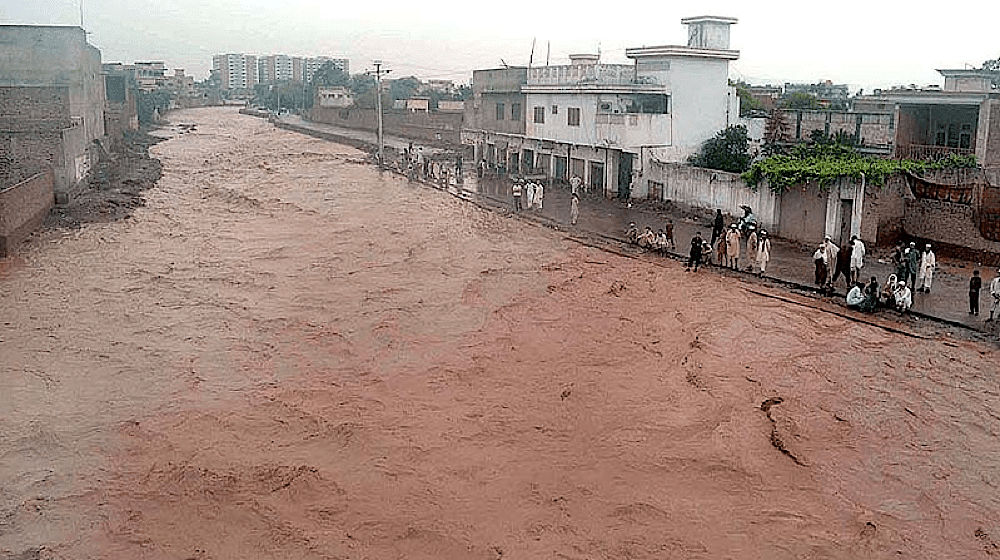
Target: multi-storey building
x=150, y=76
x=605, y=122
x=52, y=102
x=237, y=71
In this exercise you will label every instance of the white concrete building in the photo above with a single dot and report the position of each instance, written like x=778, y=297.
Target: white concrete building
x=336, y=97
x=606, y=122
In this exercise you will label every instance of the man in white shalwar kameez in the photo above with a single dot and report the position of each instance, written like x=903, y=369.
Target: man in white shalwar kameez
x=763, y=251
x=925, y=275
x=830, y=250
x=857, y=258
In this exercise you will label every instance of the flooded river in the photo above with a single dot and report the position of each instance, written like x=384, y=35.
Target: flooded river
x=286, y=354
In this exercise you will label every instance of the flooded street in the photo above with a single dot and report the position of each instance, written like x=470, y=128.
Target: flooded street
x=286, y=354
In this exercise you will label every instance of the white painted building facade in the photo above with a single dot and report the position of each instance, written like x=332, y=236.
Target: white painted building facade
x=606, y=122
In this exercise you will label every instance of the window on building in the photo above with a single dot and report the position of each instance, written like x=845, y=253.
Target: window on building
x=539, y=115
x=555, y=109
x=573, y=116
x=515, y=111
x=499, y=111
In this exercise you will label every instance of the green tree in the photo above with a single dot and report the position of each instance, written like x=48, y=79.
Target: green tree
x=729, y=151
x=404, y=88
x=329, y=75
x=748, y=104
x=801, y=100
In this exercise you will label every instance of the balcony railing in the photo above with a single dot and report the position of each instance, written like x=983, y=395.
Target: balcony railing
x=929, y=153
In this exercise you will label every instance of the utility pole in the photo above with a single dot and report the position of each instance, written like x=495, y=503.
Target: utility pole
x=378, y=107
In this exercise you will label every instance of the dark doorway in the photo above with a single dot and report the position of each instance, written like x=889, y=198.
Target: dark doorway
x=846, y=212
x=624, y=175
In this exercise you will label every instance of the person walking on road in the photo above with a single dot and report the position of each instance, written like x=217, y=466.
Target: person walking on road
x=763, y=251
x=574, y=208
x=975, y=284
x=539, y=193
x=529, y=194
x=516, y=191
x=574, y=185
x=928, y=262
x=694, y=257
x=995, y=292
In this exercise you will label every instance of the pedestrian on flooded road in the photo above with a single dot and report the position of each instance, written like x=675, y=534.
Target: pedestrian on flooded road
x=574, y=208
x=975, y=284
x=928, y=262
x=516, y=191
x=694, y=257
x=995, y=292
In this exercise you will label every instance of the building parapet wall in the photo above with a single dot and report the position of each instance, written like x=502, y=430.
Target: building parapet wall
x=576, y=74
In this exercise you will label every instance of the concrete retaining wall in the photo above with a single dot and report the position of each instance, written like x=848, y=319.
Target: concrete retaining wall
x=23, y=208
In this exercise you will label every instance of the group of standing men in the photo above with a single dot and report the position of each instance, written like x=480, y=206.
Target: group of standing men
x=419, y=166
x=531, y=192
x=728, y=242
x=832, y=262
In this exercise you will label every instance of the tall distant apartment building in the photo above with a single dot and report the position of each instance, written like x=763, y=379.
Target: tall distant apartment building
x=236, y=71
x=242, y=71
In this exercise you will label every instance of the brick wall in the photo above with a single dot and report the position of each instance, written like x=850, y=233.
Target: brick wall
x=950, y=224
x=876, y=129
x=884, y=211
x=32, y=125
x=23, y=208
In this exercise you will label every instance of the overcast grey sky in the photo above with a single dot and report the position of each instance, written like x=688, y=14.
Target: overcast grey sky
x=864, y=44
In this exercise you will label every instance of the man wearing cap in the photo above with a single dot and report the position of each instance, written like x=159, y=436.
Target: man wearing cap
x=751, y=248
x=995, y=292
x=926, y=274
x=912, y=264
x=694, y=257
x=733, y=246
x=763, y=251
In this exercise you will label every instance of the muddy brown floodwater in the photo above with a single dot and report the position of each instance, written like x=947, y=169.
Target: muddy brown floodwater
x=286, y=355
